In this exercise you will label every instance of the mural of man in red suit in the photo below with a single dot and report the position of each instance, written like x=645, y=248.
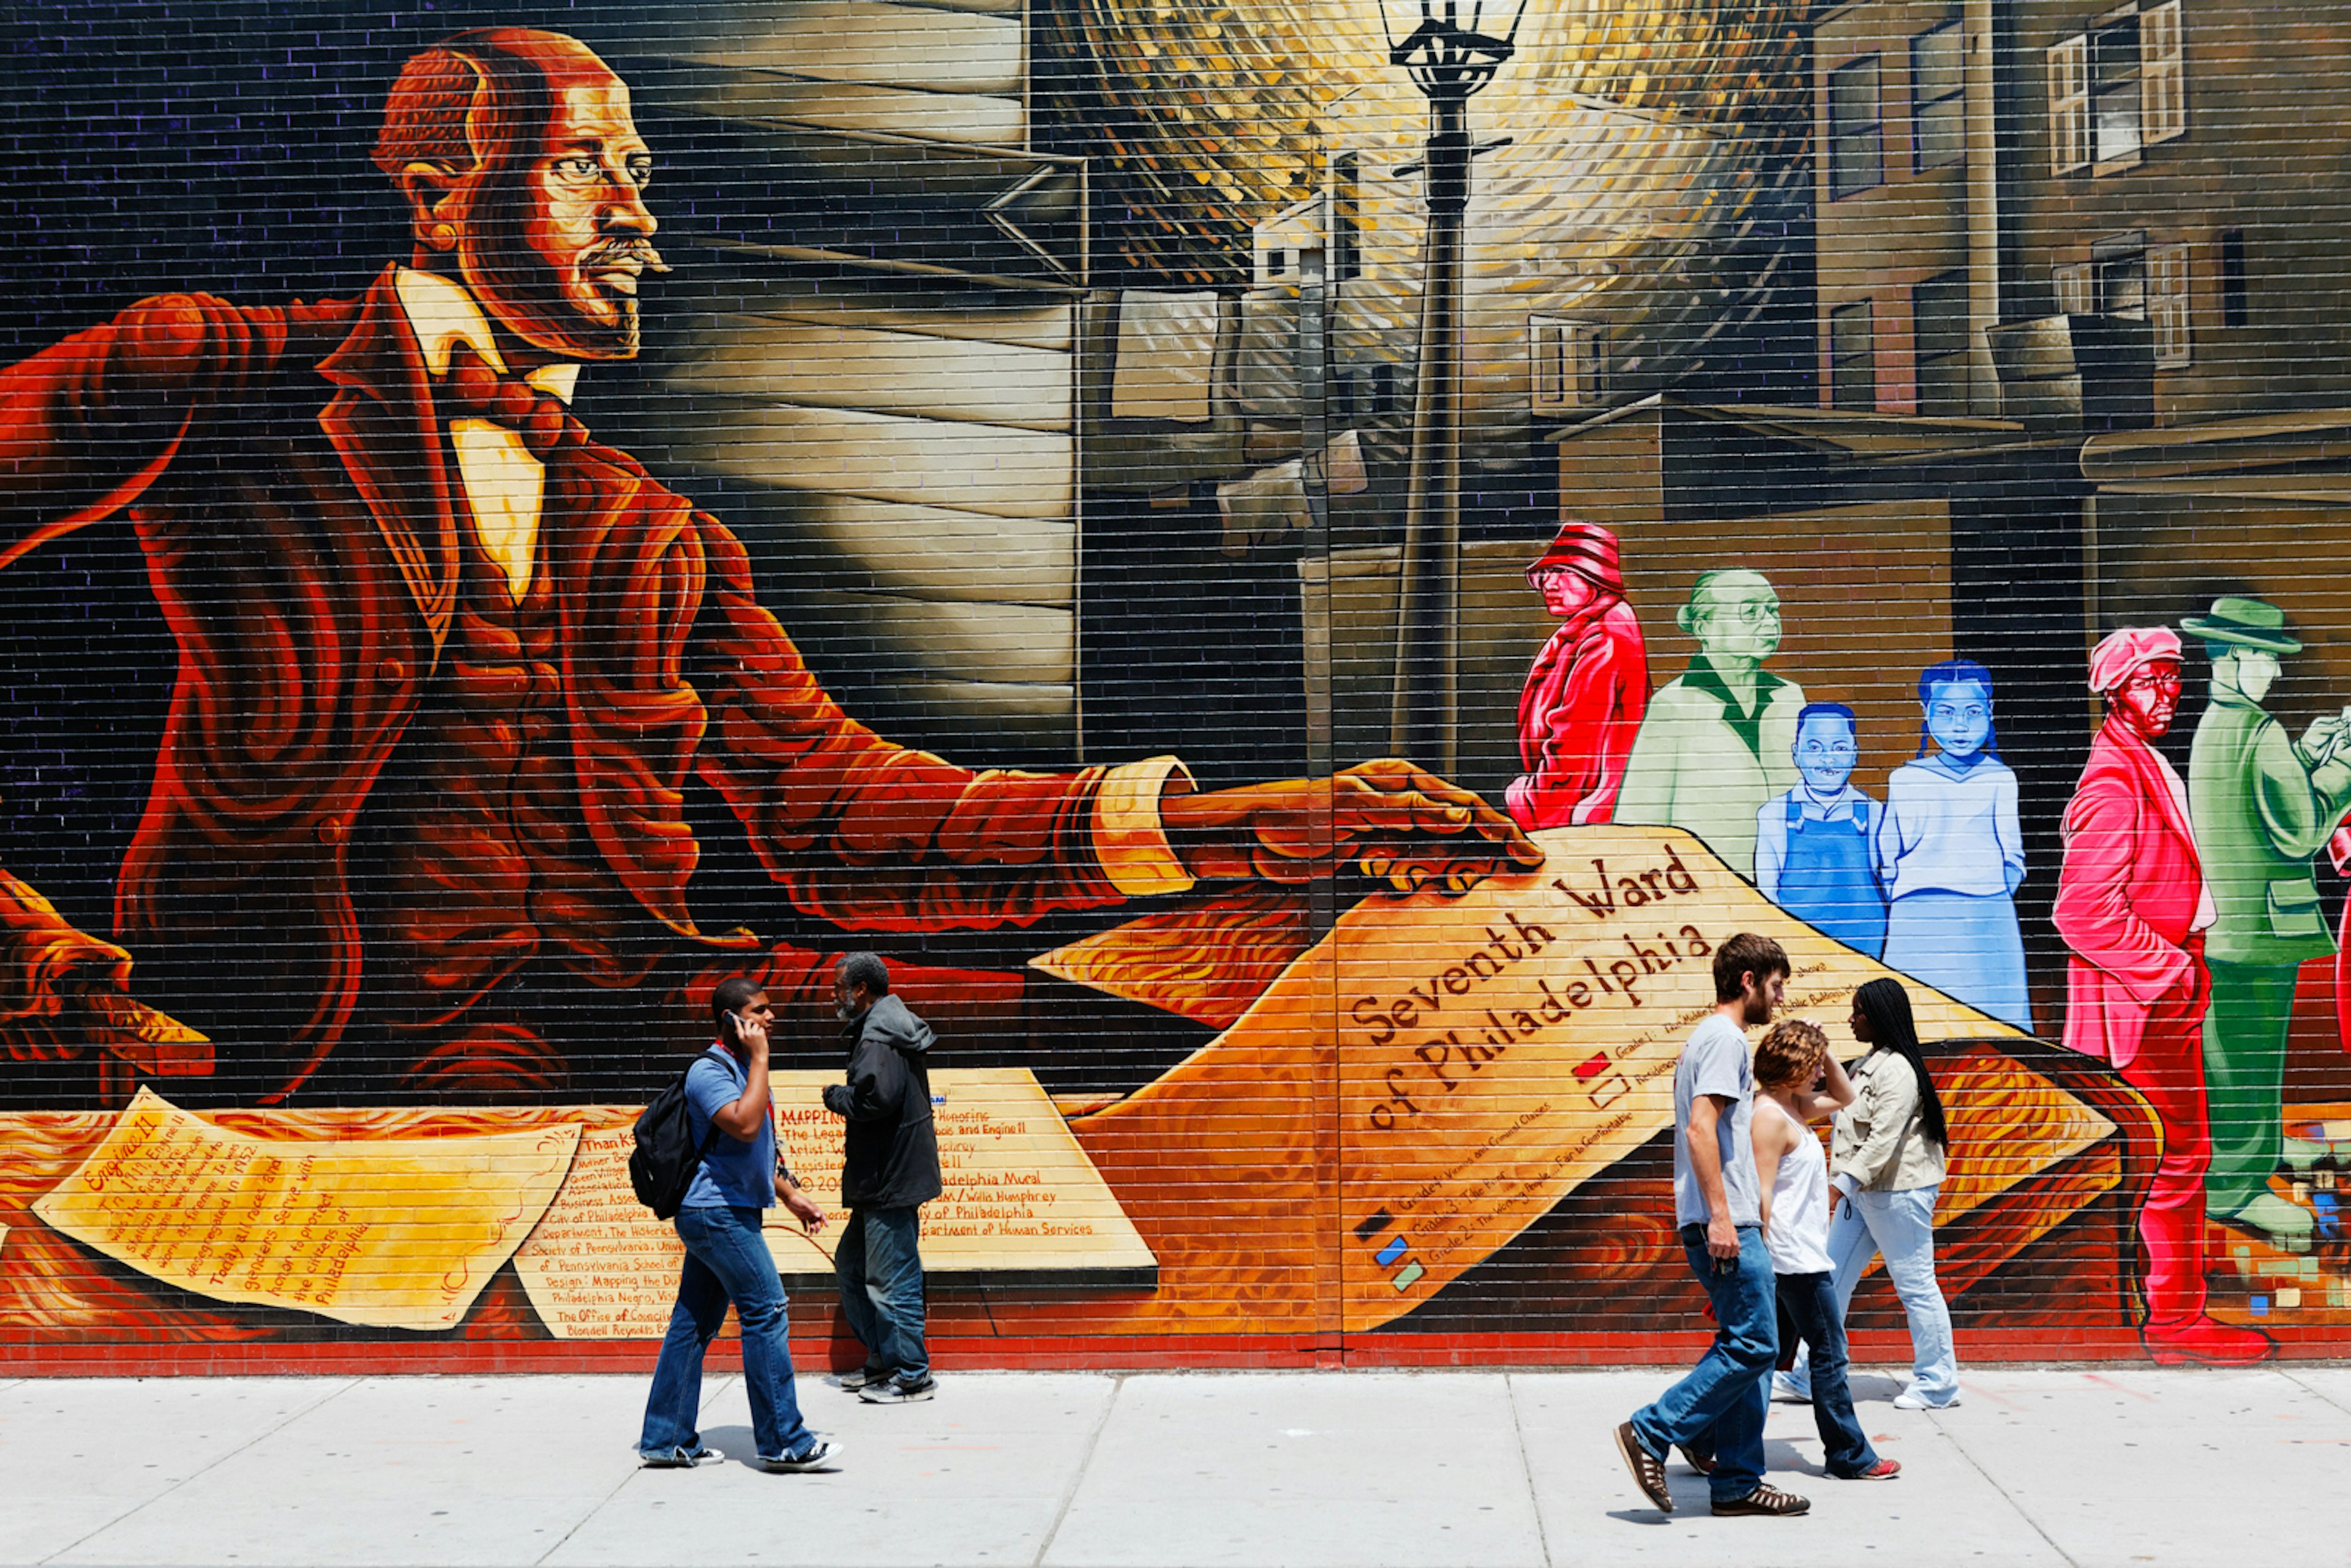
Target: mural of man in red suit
x=447, y=663
x=1584, y=695
x=2133, y=906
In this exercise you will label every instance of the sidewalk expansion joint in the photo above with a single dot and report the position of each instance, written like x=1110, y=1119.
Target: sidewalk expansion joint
x=1077, y=1475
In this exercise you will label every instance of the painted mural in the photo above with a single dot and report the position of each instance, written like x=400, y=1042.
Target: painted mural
x=796, y=475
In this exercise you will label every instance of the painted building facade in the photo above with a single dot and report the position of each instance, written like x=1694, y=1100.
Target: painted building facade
x=959, y=504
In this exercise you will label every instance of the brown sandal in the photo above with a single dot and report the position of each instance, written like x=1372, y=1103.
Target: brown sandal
x=1768, y=1501
x=1648, y=1470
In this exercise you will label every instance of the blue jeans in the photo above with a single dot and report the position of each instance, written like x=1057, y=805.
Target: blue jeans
x=1725, y=1398
x=726, y=1259
x=881, y=1277
x=1901, y=1226
x=1808, y=1307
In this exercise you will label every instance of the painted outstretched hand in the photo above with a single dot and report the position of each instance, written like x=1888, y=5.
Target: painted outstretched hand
x=1392, y=820
x=64, y=992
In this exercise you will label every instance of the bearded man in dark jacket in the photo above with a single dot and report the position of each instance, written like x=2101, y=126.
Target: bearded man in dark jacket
x=889, y=1170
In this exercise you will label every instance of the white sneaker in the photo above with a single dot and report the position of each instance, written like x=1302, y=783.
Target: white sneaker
x=1786, y=1390
x=1911, y=1399
x=823, y=1453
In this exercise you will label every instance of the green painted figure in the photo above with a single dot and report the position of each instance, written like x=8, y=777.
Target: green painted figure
x=1720, y=741
x=2262, y=805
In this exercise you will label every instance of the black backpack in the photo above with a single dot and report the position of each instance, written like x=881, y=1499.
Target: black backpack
x=661, y=1166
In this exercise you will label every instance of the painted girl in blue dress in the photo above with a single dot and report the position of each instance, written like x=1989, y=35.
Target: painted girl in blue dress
x=1950, y=855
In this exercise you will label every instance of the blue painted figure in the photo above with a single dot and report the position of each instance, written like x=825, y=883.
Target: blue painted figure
x=1815, y=856
x=1950, y=853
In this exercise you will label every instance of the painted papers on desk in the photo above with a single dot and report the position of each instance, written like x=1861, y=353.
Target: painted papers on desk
x=386, y=1232
x=1022, y=1206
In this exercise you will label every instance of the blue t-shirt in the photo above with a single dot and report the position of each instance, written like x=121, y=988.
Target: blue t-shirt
x=734, y=1173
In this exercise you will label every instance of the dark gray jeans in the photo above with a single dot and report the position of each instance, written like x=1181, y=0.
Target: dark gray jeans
x=881, y=1277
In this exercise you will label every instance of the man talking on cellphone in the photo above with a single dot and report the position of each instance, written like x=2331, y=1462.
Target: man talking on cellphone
x=740, y=1178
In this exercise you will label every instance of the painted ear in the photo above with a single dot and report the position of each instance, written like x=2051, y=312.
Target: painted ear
x=431, y=191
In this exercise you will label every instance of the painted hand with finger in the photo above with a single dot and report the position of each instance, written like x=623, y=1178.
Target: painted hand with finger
x=1394, y=820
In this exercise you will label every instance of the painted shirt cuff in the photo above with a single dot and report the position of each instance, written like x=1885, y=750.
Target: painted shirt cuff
x=1130, y=840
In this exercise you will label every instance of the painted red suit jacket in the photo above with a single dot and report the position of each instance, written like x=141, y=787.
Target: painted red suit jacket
x=293, y=493
x=1578, y=713
x=2126, y=898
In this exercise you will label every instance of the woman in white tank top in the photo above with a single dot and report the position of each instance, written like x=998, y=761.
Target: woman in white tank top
x=1799, y=1083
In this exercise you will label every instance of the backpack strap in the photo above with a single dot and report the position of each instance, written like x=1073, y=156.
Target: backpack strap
x=710, y=1136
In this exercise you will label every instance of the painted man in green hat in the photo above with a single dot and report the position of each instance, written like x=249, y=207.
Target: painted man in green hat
x=2262, y=805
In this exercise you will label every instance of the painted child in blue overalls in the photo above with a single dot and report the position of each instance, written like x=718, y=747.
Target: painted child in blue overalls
x=1813, y=845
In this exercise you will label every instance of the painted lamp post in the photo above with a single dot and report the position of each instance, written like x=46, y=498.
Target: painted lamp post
x=1449, y=63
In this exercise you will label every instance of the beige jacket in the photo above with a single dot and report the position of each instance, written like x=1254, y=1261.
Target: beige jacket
x=1869, y=1145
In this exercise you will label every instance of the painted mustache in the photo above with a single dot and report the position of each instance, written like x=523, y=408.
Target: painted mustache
x=609, y=251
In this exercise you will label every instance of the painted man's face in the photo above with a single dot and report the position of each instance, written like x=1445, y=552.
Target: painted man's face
x=556, y=244
x=2256, y=673
x=1740, y=618
x=1958, y=715
x=2150, y=700
x=1825, y=753
x=1565, y=591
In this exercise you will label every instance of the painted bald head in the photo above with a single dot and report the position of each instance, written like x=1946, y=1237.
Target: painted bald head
x=525, y=177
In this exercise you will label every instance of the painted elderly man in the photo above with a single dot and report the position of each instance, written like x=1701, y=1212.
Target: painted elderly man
x=447, y=663
x=1720, y=741
x=1584, y=695
x=2133, y=906
x=2263, y=804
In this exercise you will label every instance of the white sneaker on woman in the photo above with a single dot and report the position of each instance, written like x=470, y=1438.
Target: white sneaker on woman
x=1911, y=1399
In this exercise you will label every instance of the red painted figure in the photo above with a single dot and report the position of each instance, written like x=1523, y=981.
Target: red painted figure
x=1583, y=702
x=2338, y=851
x=2133, y=906
x=446, y=664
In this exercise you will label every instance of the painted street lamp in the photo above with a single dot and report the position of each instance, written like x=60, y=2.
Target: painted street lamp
x=1449, y=63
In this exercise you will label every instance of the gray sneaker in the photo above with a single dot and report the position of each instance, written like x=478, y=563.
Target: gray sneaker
x=899, y=1390
x=863, y=1377
x=824, y=1454
x=677, y=1460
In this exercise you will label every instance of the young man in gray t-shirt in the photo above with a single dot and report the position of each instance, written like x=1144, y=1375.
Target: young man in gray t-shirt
x=1719, y=1408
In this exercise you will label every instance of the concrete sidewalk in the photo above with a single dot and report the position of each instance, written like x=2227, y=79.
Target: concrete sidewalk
x=2049, y=1465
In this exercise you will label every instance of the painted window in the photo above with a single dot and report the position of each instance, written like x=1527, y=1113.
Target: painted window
x=2115, y=93
x=1856, y=135
x=2117, y=89
x=2146, y=283
x=2069, y=105
x=1569, y=359
x=2236, y=294
x=2122, y=284
x=2167, y=304
x=2163, y=95
x=1853, y=357
x=1938, y=338
x=2070, y=281
x=1939, y=132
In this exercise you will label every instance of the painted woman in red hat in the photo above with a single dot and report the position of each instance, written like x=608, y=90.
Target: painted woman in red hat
x=1584, y=696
